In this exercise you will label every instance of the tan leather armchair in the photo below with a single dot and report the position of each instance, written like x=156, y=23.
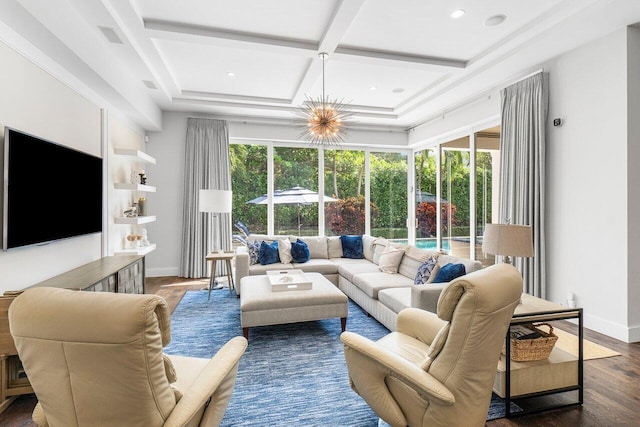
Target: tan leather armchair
x=438, y=370
x=96, y=359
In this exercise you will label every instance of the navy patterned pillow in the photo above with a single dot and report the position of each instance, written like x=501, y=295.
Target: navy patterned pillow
x=425, y=270
x=254, y=251
x=449, y=272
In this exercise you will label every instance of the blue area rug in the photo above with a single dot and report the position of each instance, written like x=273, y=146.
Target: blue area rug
x=290, y=375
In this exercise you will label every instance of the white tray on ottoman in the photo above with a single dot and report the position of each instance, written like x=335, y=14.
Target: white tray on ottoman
x=288, y=280
x=260, y=306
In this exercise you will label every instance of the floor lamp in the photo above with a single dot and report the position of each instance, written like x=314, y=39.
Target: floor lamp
x=216, y=202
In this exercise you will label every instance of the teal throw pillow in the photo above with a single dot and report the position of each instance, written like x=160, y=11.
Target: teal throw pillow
x=268, y=253
x=300, y=251
x=424, y=271
x=352, y=247
x=449, y=272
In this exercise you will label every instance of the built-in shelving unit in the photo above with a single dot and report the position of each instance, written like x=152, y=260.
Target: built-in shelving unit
x=143, y=250
x=135, y=220
x=134, y=187
x=140, y=156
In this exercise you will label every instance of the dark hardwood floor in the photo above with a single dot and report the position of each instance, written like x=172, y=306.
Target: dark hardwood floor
x=611, y=385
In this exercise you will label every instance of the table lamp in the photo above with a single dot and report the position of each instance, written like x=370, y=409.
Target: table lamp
x=215, y=202
x=508, y=240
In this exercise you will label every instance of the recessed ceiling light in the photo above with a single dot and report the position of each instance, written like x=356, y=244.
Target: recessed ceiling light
x=231, y=74
x=494, y=20
x=372, y=88
x=398, y=90
x=457, y=13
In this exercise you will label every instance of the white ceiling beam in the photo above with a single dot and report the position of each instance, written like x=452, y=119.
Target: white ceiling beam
x=233, y=39
x=123, y=13
x=291, y=109
x=343, y=15
x=212, y=96
x=380, y=57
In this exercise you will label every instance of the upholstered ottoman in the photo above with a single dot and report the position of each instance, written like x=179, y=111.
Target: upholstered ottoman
x=260, y=306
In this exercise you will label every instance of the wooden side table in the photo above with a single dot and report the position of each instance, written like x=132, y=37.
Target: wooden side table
x=214, y=257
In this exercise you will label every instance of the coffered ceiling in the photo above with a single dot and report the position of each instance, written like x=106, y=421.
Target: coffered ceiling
x=397, y=63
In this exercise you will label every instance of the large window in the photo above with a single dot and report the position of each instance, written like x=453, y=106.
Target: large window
x=455, y=161
x=388, y=183
x=426, y=199
x=487, y=167
x=295, y=175
x=344, y=180
x=249, y=185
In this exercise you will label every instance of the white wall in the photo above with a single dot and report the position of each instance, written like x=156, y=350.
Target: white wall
x=33, y=101
x=633, y=178
x=587, y=209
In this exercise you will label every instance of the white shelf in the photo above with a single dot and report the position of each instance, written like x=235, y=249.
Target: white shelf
x=135, y=219
x=136, y=187
x=141, y=155
x=143, y=250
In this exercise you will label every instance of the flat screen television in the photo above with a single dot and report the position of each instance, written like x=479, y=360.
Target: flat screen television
x=50, y=192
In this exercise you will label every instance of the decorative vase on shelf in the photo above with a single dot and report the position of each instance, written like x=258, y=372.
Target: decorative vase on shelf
x=135, y=178
x=142, y=206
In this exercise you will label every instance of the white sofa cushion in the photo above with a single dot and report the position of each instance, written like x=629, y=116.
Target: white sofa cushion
x=284, y=251
x=372, y=283
x=334, y=246
x=368, y=247
x=348, y=270
x=262, y=269
x=322, y=266
x=317, y=246
x=395, y=298
x=390, y=259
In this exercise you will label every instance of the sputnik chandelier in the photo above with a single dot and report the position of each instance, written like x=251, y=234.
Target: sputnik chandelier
x=325, y=119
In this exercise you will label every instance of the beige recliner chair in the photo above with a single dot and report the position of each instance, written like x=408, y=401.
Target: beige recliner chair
x=438, y=370
x=96, y=359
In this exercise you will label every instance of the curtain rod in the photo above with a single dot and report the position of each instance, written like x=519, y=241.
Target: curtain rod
x=525, y=77
x=476, y=98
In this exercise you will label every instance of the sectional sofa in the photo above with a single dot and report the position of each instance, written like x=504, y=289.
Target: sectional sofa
x=381, y=282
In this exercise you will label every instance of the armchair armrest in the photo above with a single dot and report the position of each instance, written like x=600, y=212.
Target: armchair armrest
x=426, y=296
x=213, y=385
x=361, y=351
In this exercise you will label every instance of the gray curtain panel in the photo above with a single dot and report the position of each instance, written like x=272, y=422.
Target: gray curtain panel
x=522, y=160
x=206, y=166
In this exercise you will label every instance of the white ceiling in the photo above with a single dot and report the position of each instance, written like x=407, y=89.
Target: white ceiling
x=420, y=61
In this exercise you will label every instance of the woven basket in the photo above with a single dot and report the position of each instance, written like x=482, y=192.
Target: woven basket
x=533, y=349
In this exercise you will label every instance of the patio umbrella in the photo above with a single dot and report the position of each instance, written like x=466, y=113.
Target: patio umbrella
x=293, y=196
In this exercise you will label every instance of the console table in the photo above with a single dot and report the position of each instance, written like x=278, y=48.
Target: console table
x=123, y=274
x=560, y=373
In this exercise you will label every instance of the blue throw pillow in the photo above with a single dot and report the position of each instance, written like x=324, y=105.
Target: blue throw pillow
x=449, y=272
x=352, y=247
x=268, y=253
x=424, y=271
x=300, y=251
x=254, y=251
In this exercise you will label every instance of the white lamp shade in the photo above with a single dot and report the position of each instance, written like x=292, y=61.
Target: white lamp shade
x=215, y=201
x=507, y=239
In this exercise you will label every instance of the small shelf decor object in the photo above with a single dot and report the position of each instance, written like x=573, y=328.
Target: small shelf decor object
x=529, y=342
x=288, y=280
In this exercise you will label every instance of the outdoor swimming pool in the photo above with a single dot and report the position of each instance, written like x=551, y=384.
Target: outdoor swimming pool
x=429, y=244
